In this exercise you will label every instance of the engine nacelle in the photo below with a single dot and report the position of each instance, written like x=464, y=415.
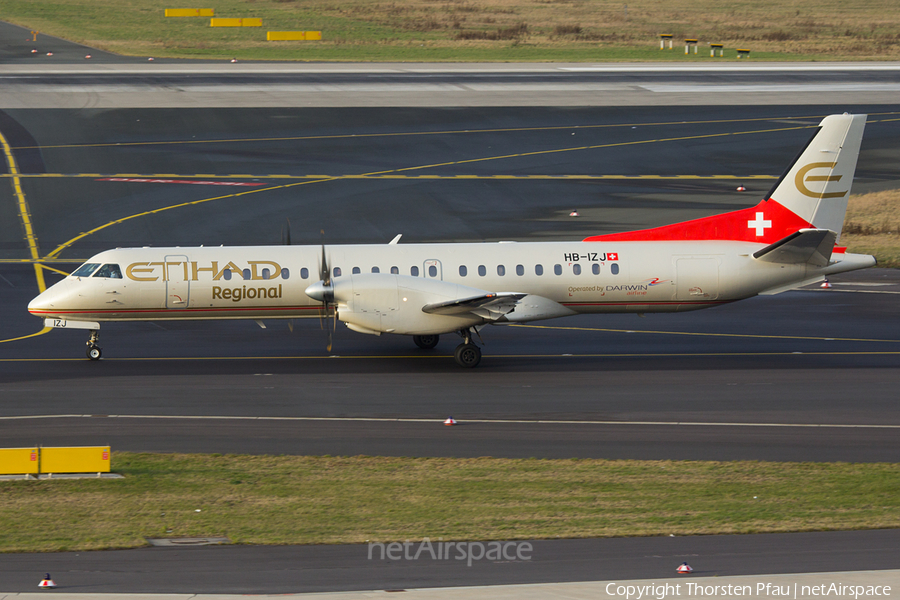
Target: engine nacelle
x=382, y=302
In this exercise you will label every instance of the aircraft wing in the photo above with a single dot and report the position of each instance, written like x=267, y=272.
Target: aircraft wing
x=813, y=246
x=490, y=306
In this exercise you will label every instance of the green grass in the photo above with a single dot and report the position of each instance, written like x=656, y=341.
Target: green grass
x=319, y=500
x=477, y=30
x=872, y=226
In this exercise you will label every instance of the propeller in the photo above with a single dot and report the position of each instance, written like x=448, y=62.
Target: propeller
x=323, y=291
x=286, y=233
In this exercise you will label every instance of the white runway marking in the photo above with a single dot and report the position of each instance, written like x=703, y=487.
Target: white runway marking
x=485, y=421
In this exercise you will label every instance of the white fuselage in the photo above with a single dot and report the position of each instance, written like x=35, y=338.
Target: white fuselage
x=559, y=278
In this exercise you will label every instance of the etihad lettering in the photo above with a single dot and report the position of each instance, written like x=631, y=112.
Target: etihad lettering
x=256, y=270
x=245, y=293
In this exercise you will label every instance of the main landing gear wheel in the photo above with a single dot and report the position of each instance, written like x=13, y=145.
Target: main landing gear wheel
x=467, y=355
x=426, y=342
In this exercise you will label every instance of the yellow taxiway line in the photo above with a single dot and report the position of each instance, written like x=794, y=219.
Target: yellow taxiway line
x=447, y=356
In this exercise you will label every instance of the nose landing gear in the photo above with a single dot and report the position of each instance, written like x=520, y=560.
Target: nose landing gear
x=93, y=351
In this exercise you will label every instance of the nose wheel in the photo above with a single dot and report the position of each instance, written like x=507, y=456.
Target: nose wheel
x=93, y=351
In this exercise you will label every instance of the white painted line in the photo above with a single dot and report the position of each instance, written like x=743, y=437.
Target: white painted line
x=665, y=88
x=485, y=421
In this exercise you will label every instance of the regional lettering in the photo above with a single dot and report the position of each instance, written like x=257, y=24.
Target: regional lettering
x=241, y=293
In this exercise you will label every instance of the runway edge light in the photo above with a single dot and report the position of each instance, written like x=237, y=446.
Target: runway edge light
x=684, y=569
x=46, y=582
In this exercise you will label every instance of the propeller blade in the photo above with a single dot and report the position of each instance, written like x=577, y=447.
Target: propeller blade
x=324, y=271
x=286, y=233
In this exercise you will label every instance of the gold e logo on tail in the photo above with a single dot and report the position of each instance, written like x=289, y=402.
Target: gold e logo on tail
x=801, y=179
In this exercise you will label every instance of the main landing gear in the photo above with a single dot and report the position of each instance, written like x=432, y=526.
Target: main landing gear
x=426, y=342
x=467, y=354
x=93, y=350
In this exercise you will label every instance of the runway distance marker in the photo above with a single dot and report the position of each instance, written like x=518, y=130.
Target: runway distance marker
x=484, y=421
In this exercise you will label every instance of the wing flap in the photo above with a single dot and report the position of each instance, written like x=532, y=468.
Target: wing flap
x=489, y=306
x=812, y=246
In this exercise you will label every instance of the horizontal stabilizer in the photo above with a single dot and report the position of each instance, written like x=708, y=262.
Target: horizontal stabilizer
x=811, y=246
x=488, y=306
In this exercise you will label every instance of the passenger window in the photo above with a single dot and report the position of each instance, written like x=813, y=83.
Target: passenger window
x=463, y=271
x=285, y=274
x=246, y=274
x=538, y=269
x=501, y=270
x=354, y=271
x=395, y=271
x=376, y=270
x=109, y=271
x=337, y=271
x=576, y=268
x=557, y=269
x=85, y=270
x=304, y=273
x=432, y=271
x=520, y=270
x=614, y=268
x=266, y=274
x=595, y=268
x=226, y=274
x=481, y=270
x=414, y=271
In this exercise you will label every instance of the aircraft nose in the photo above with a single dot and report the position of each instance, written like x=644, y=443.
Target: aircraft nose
x=45, y=303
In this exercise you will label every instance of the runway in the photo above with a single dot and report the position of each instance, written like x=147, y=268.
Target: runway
x=438, y=153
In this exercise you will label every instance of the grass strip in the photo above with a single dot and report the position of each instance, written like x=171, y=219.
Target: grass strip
x=478, y=30
x=330, y=500
x=872, y=226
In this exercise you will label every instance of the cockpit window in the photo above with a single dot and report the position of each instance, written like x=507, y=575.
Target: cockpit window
x=109, y=270
x=85, y=270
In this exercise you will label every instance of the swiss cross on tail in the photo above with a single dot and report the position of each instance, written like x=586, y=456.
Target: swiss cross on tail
x=812, y=194
x=759, y=224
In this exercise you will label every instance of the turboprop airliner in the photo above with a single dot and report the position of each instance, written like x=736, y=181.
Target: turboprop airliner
x=428, y=290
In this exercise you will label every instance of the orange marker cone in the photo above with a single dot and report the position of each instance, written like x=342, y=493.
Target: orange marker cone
x=825, y=285
x=741, y=188
x=450, y=421
x=47, y=582
x=684, y=569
